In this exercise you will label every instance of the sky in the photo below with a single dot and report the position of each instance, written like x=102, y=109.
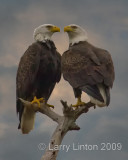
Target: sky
x=106, y=23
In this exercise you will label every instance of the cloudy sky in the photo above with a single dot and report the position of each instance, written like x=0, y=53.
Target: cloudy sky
x=106, y=23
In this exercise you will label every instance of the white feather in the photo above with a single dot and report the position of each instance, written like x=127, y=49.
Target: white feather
x=41, y=33
x=28, y=120
x=78, y=35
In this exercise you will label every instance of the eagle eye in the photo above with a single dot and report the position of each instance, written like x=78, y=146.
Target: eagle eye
x=49, y=26
x=74, y=27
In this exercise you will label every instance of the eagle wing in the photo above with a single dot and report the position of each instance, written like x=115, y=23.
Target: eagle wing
x=26, y=74
x=83, y=65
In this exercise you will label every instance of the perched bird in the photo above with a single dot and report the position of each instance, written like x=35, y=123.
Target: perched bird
x=38, y=72
x=87, y=68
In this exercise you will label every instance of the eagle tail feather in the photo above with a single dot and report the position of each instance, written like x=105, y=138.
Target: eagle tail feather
x=27, y=120
x=92, y=91
x=99, y=94
x=107, y=91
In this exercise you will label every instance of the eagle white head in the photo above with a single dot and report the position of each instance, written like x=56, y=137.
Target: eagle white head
x=75, y=33
x=45, y=32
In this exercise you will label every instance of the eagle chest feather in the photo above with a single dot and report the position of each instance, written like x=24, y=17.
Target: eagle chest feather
x=48, y=67
x=72, y=62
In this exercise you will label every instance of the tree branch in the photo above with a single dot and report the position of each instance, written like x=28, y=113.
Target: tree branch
x=65, y=123
x=43, y=109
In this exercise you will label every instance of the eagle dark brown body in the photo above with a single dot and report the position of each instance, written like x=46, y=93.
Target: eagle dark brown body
x=38, y=72
x=86, y=67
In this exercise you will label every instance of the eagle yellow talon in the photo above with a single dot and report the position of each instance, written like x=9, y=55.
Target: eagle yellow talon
x=41, y=99
x=35, y=100
x=49, y=105
x=79, y=103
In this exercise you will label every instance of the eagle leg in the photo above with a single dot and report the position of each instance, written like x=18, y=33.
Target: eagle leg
x=35, y=100
x=79, y=103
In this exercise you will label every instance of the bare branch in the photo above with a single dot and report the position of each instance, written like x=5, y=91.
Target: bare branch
x=83, y=109
x=74, y=127
x=65, y=123
x=43, y=109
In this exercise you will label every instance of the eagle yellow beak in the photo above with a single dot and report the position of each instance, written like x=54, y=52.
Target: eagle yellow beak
x=55, y=29
x=68, y=29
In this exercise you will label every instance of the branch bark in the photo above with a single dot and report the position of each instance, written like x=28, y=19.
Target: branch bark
x=66, y=123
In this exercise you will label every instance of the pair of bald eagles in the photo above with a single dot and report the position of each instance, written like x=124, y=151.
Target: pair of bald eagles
x=86, y=67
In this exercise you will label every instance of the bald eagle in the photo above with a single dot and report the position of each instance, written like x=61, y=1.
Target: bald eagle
x=38, y=72
x=87, y=68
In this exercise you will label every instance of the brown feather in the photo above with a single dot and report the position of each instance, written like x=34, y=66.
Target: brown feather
x=85, y=64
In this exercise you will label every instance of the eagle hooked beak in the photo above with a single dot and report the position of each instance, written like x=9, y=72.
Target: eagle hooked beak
x=55, y=29
x=68, y=29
